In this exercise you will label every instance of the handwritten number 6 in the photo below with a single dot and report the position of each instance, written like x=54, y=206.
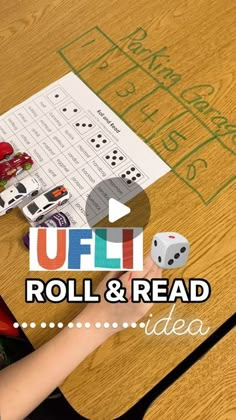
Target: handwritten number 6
x=192, y=168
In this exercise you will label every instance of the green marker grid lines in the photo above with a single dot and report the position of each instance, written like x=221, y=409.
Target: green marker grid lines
x=121, y=115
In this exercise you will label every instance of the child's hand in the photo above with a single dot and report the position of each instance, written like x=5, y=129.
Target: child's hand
x=36, y=375
x=120, y=312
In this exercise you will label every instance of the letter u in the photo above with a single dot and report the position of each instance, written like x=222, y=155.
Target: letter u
x=43, y=259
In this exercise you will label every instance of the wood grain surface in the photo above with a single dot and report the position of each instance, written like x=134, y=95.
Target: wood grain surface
x=201, y=38
x=207, y=391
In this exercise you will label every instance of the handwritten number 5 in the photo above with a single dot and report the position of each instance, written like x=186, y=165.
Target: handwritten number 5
x=172, y=140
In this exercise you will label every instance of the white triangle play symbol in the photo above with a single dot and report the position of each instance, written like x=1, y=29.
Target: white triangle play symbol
x=116, y=210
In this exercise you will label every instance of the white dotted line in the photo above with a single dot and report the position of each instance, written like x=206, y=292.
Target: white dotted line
x=71, y=325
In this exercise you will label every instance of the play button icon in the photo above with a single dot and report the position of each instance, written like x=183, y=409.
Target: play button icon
x=116, y=203
x=117, y=210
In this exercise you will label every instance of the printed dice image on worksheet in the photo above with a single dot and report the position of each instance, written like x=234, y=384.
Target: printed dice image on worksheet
x=70, y=144
x=131, y=174
x=99, y=141
x=69, y=110
x=57, y=95
x=114, y=157
x=83, y=125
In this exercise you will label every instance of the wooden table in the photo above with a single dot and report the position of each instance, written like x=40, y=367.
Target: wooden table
x=187, y=50
x=207, y=391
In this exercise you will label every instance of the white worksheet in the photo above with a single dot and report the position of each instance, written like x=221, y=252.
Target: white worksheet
x=73, y=137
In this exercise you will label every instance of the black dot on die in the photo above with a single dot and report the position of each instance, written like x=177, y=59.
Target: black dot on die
x=104, y=141
x=170, y=262
x=155, y=242
x=97, y=146
x=121, y=158
x=107, y=157
x=133, y=178
x=92, y=140
x=64, y=110
x=83, y=125
x=77, y=124
x=159, y=259
x=57, y=96
x=90, y=125
x=132, y=169
x=99, y=136
x=177, y=255
x=75, y=110
x=128, y=182
x=128, y=172
x=113, y=163
x=138, y=175
x=183, y=249
x=114, y=157
x=123, y=176
x=115, y=151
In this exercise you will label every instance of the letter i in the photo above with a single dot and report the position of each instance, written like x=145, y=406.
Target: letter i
x=128, y=248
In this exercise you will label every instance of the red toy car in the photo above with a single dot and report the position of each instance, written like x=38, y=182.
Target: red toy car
x=6, y=150
x=12, y=167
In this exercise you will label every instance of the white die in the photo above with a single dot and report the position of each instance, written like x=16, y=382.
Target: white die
x=169, y=249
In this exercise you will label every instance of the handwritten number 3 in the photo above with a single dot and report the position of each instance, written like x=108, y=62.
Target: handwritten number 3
x=130, y=89
x=192, y=168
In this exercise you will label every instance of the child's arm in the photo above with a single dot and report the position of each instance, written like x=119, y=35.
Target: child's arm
x=26, y=383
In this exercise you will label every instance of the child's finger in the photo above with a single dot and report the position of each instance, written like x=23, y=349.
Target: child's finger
x=155, y=272
x=114, y=274
x=148, y=263
x=110, y=275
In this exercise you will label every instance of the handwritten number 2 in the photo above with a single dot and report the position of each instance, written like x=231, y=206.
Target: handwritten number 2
x=128, y=91
x=103, y=66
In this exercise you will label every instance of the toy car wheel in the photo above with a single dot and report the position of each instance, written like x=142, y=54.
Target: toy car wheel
x=18, y=171
x=3, y=182
x=27, y=166
x=7, y=157
x=63, y=202
x=39, y=218
x=34, y=193
x=9, y=210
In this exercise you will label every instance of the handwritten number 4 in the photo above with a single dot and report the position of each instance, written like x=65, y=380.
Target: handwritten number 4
x=147, y=115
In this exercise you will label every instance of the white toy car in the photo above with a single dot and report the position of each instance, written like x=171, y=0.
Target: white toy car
x=16, y=193
x=45, y=203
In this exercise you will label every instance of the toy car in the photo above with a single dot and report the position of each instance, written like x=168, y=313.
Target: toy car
x=13, y=195
x=45, y=203
x=6, y=150
x=55, y=220
x=12, y=167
